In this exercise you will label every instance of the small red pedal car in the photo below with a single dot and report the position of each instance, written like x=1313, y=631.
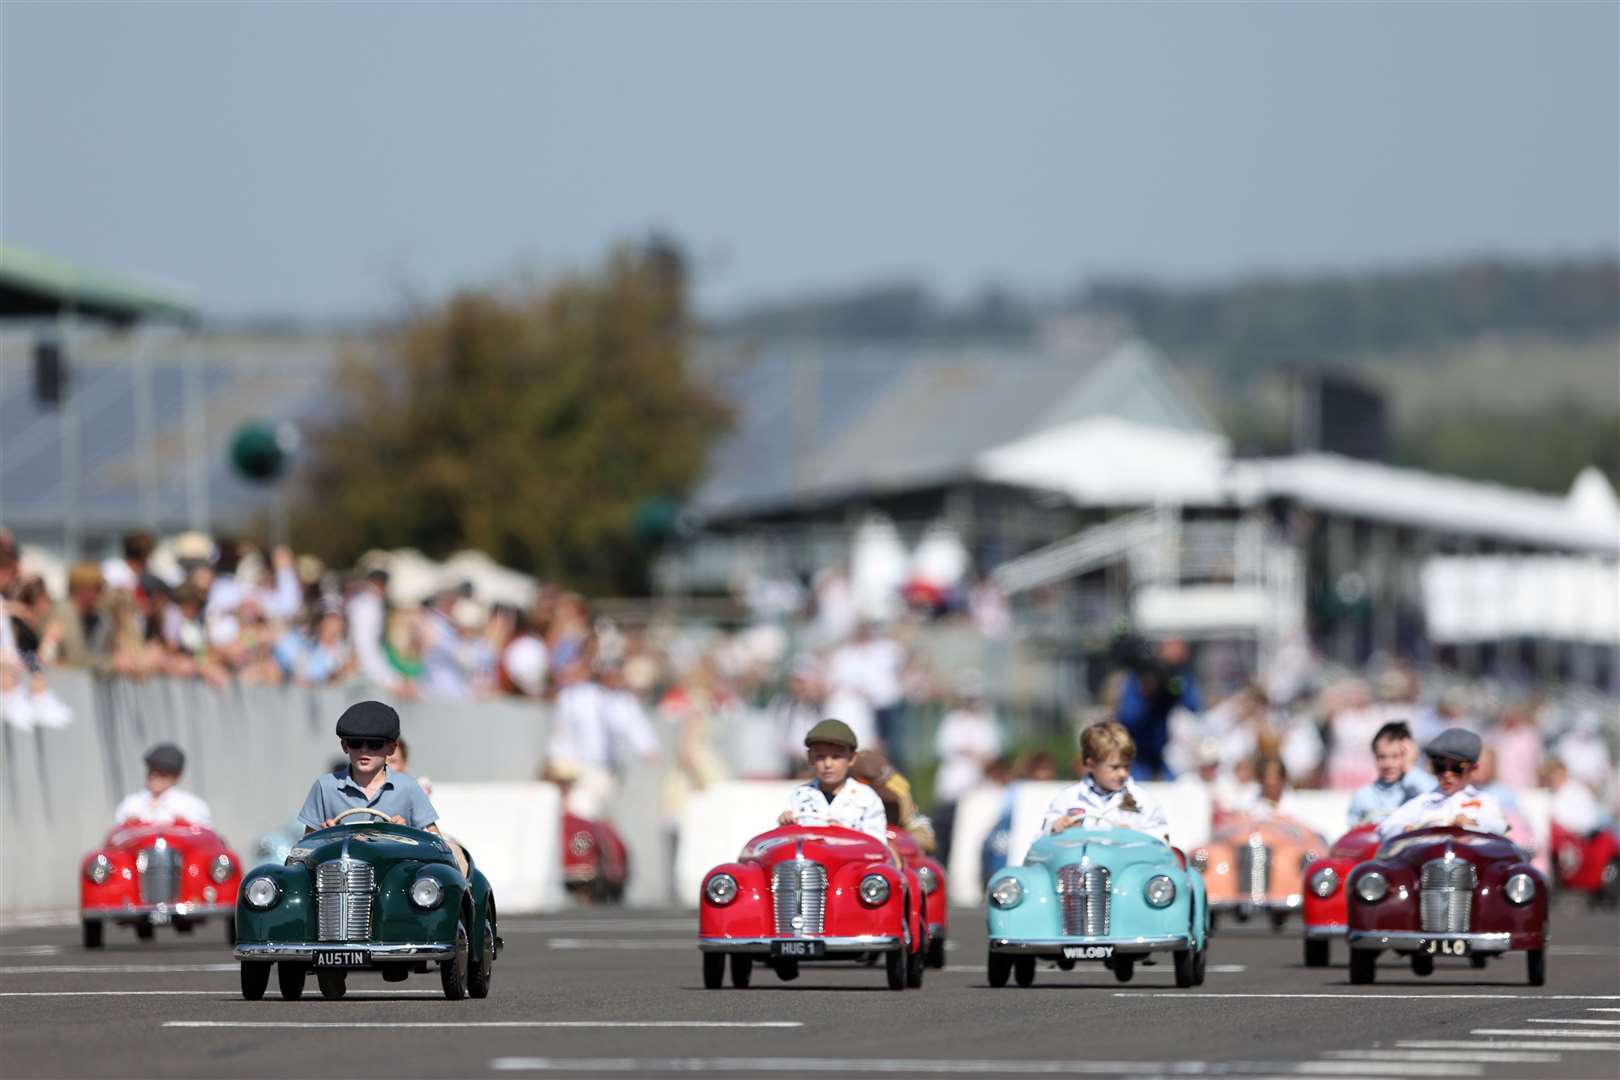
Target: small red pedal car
x=1447, y=892
x=596, y=865
x=1327, y=907
x=802, y=894
x=935, y=896
x=1588, y=863
x=148, y=876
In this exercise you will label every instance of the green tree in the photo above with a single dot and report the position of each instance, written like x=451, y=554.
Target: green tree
x=530, y=423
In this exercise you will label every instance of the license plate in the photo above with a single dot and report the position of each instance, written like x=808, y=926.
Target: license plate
x=160, y=918
x=798, y=950
x=1087, y=952
x=342, y=958
x=1446, y=947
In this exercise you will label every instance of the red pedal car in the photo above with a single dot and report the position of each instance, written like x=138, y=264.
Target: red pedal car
x=800, y=894
x=596, y=866
x=1588, y=864
x=1447, y=892
x=932, y=876
x=148, y=876
x=1327, y=907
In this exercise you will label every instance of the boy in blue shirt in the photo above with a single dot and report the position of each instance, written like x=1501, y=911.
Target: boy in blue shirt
x=369, y=732
x=1397, y=782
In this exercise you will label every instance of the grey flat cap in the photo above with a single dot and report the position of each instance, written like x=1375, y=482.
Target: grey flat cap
x=1456, y=743
x=166, y=758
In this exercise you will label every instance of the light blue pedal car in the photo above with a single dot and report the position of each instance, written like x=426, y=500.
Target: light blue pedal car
x=1100, y=894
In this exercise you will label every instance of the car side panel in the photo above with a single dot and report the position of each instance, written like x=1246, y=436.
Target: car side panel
x=292, y=919
x=396, y=919
x=749, y=915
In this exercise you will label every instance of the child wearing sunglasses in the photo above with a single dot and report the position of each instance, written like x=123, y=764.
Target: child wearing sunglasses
x=1454, y=801
x=368, y=732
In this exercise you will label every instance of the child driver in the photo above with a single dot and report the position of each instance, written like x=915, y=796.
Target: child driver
x=1107, y=795
x=834, y=797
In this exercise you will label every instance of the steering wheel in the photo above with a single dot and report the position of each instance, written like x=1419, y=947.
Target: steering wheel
x=374, y=812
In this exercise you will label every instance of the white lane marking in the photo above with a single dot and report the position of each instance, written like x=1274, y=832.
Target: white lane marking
x=1603, y=1010
x=598, y=926
x=112, y=969
x=40, y=920
x=1583, y=950
x=1480, y=1057
x=1504, y=1044
x=937, y=1066
x=1611, y=1023
x=224, y=995
x=1213, y=969
x=29, y=950
x=308, y=1024
x=1548, y=1033
x=1375, y=996
x=620, y=943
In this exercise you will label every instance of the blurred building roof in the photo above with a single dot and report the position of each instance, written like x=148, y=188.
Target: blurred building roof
x=34, y=285
x=826, y=422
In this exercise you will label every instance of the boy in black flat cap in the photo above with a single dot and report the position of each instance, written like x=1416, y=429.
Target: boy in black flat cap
x=834, y=797
x=1454, y=801
x=369, y=732
x=162, y=802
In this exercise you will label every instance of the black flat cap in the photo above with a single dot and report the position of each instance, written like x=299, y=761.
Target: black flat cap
x=1458, y=744
x=166, y=758
x=368, y=720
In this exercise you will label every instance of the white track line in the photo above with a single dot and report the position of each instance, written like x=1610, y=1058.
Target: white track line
x=1549, y=1033
x=1375, y=996
x=1583, y=950
x=1610, y=1023
x=29, y=950
x=1504, y=1044
x=222, y=994
x=335, y=1025
x=1603, y=1010
x=937, y=1066
x=112, y=969
x=1213, y=969
x=631, y=944
x=1478, y=1057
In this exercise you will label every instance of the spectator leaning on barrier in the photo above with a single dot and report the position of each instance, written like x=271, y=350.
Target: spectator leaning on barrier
x=126, y=570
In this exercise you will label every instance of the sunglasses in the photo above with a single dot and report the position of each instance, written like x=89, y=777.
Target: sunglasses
x=1441, y=766
x=364, y=744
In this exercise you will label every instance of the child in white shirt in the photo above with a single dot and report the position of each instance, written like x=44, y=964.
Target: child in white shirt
x=1107, y=796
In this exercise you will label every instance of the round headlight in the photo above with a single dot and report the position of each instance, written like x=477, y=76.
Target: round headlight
x=721, y=889
x=1159, y=891
x=874, y=889
x=581, y=843
x=426, y=892
x=1006, y=893
x=925, y=874
x=261, y=892
x=99, y=869
x=1324, y=881
x=1520, y=888
x=1200, y=859
x=1371, y=886
x=221, y=868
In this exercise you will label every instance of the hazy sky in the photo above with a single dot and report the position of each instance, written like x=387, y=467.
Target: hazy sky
x=323, y=160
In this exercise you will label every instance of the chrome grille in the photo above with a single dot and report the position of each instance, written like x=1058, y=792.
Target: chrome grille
x=799, y=893
x=159, y=867
x=1254, y=867
x=1084, y=892
x=343, y=889
x=1447, y=890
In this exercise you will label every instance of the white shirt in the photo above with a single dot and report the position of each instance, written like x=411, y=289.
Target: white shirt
x=1099, y=808
x=366, y=635
x=966, y=739
x=856, y=806
x=871, y=668
x=165, y=809
x=593, y=724
x=1437, y=808
x=1574, y=808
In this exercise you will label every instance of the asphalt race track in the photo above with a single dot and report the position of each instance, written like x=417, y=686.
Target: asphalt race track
x=609, y=992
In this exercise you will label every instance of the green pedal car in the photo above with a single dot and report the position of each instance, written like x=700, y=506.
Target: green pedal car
x=367, y=895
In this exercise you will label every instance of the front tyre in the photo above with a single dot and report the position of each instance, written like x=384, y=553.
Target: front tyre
x=916, y=965
x=484, y=969
x=999, y=967
x=453, y=971
x=1024, y=970
x=714, y=970
x=936, y=952
x=255, y=978
x=1186, y=968
x=742, y=970
x=1317, y=952
x=1200, y=963
x=91, y=931
x=333, y=984
x=1363, y=966
x=894, y=965
x=290, y=980
x=1536, y=966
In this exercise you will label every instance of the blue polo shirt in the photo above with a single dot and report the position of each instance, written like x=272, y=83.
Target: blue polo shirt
x=334, y=792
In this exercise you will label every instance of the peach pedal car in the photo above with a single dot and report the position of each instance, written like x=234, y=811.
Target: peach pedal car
x=1257, y=864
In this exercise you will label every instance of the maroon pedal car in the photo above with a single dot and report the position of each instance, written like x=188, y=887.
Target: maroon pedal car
x=146, y=876
x=801, y=894
x=1447, y=892
x=596, y=866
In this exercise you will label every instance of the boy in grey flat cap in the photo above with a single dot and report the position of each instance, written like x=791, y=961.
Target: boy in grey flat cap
x=1454, y=801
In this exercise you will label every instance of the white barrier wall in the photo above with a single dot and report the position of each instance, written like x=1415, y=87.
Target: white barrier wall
x=717, y=822
x=514, y=833
x=252, y=753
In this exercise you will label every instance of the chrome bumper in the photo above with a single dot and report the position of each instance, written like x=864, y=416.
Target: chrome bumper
x=1327, y=930
x=146, y=911
x=843, y=946
x=305, y=950
x=1413, y=940
x=1055, y=946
